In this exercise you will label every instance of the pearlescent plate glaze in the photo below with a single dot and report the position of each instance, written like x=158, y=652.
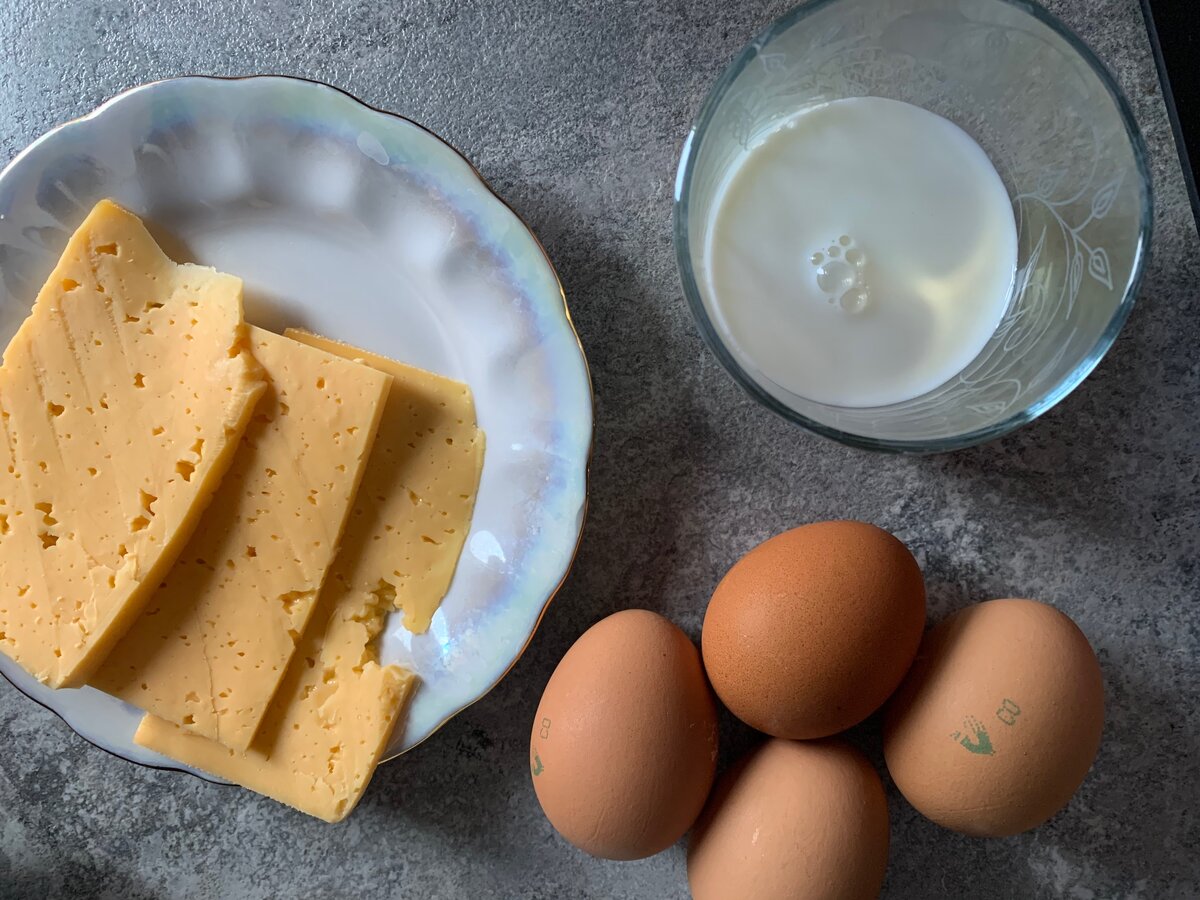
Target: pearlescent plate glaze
x=365, y=227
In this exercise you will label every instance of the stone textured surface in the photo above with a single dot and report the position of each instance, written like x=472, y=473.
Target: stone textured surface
x=576, y=111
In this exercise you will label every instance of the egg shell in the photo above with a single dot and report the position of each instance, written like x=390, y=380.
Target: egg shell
x=792, y=821
x=998, y=722
x=812, y=630
x=624, y=745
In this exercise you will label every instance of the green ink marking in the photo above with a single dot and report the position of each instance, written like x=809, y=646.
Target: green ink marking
x=981, y=744
x=538, y=768
x=1008, y=712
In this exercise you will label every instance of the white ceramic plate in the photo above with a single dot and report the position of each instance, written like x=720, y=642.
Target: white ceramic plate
x=365, y=227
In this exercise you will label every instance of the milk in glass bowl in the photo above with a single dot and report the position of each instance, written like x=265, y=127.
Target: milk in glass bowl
x=913, y=224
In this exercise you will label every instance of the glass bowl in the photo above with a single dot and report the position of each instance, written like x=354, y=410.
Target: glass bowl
x=1058, y=130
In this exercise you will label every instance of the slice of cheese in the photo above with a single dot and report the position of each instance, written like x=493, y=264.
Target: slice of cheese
x=122, y=399
x=423, y=491
x=331, y=719
x=324, y=734
x=214, y=642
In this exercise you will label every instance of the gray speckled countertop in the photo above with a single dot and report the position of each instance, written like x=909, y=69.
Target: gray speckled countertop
x=575, y=112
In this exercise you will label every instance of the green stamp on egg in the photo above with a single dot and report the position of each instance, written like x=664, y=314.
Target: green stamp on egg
x=974, y=737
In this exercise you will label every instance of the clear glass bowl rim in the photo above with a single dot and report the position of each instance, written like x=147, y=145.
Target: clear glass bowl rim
x=683, y=179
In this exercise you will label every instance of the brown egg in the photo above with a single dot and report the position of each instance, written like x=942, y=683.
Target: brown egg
x=999, y=720
x=624, y=745
x=792, y=821
x=811, y=630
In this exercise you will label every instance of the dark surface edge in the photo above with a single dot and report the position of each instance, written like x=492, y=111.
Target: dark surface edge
x=1187, y=78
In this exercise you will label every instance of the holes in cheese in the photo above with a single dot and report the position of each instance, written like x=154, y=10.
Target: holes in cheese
x=336, y=708
x=215, y=639
x=423, y=490
x=316, y=753
x=76, y=431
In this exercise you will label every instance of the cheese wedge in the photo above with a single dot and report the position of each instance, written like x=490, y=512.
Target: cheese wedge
x=214, y=642
x=122, y=399
x=331, y=719
x=425, y=493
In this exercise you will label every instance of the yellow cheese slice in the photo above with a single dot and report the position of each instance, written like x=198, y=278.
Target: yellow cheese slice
x=214, y=642
x=425, y=495
x=122, y=399
x=322, y=737
x=332, y=717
